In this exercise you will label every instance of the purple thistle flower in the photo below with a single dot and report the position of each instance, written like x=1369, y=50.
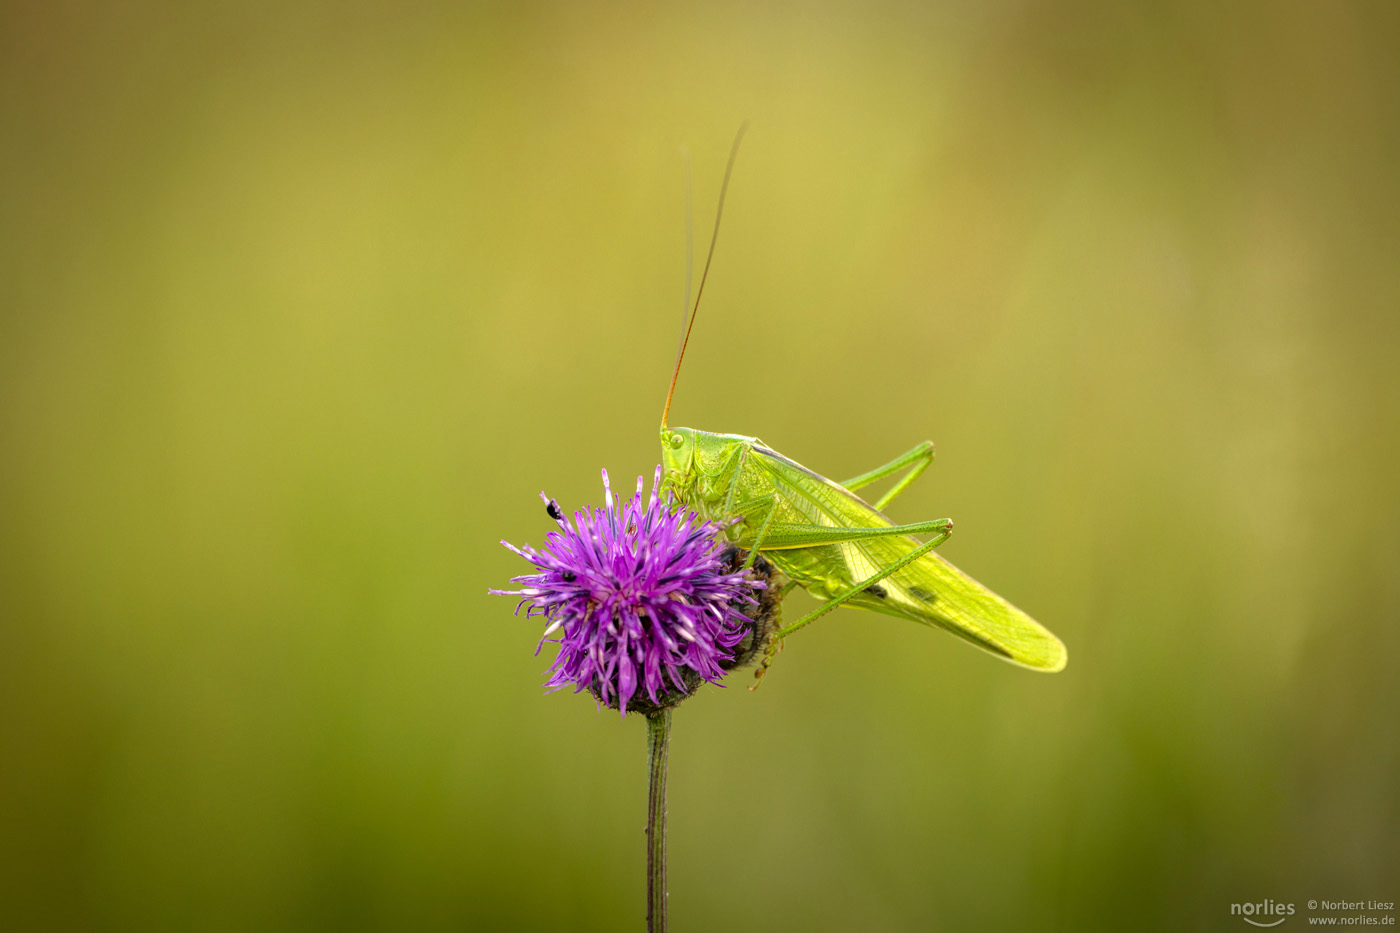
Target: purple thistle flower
x=648, y=601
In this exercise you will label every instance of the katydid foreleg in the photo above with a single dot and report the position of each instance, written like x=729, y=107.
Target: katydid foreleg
x=759, y=538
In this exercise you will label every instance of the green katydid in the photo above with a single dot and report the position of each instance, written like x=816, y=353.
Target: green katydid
x=831, y=542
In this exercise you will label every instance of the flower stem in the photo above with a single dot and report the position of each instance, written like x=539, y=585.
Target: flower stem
x=658, y=738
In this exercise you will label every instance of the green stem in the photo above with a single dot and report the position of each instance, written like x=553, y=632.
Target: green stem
x=658, y=738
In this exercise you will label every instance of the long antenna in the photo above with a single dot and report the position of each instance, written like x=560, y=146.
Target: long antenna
x=689, y=237
x=719, y=212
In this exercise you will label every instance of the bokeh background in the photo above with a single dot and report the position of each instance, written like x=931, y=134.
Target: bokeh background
x=303, y=304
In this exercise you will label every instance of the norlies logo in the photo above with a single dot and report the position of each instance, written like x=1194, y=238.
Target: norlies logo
x=1265, y=910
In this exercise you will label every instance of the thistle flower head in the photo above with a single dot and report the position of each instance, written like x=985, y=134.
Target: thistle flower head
x=647, y=600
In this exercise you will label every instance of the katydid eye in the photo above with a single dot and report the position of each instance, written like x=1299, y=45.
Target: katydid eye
x=676, y=441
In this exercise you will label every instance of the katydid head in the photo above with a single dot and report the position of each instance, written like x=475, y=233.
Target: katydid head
x=677, y=451
x=699, y=465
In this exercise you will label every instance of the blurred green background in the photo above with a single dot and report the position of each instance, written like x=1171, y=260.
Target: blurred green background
x=304, y=304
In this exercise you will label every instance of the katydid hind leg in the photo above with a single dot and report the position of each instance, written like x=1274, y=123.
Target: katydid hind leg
x=917, y=460
x=870, y=581
x=776, y=644
x=792, y=535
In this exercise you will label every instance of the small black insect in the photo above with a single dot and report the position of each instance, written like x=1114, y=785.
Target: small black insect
x=554, y=511
x=877, y=590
